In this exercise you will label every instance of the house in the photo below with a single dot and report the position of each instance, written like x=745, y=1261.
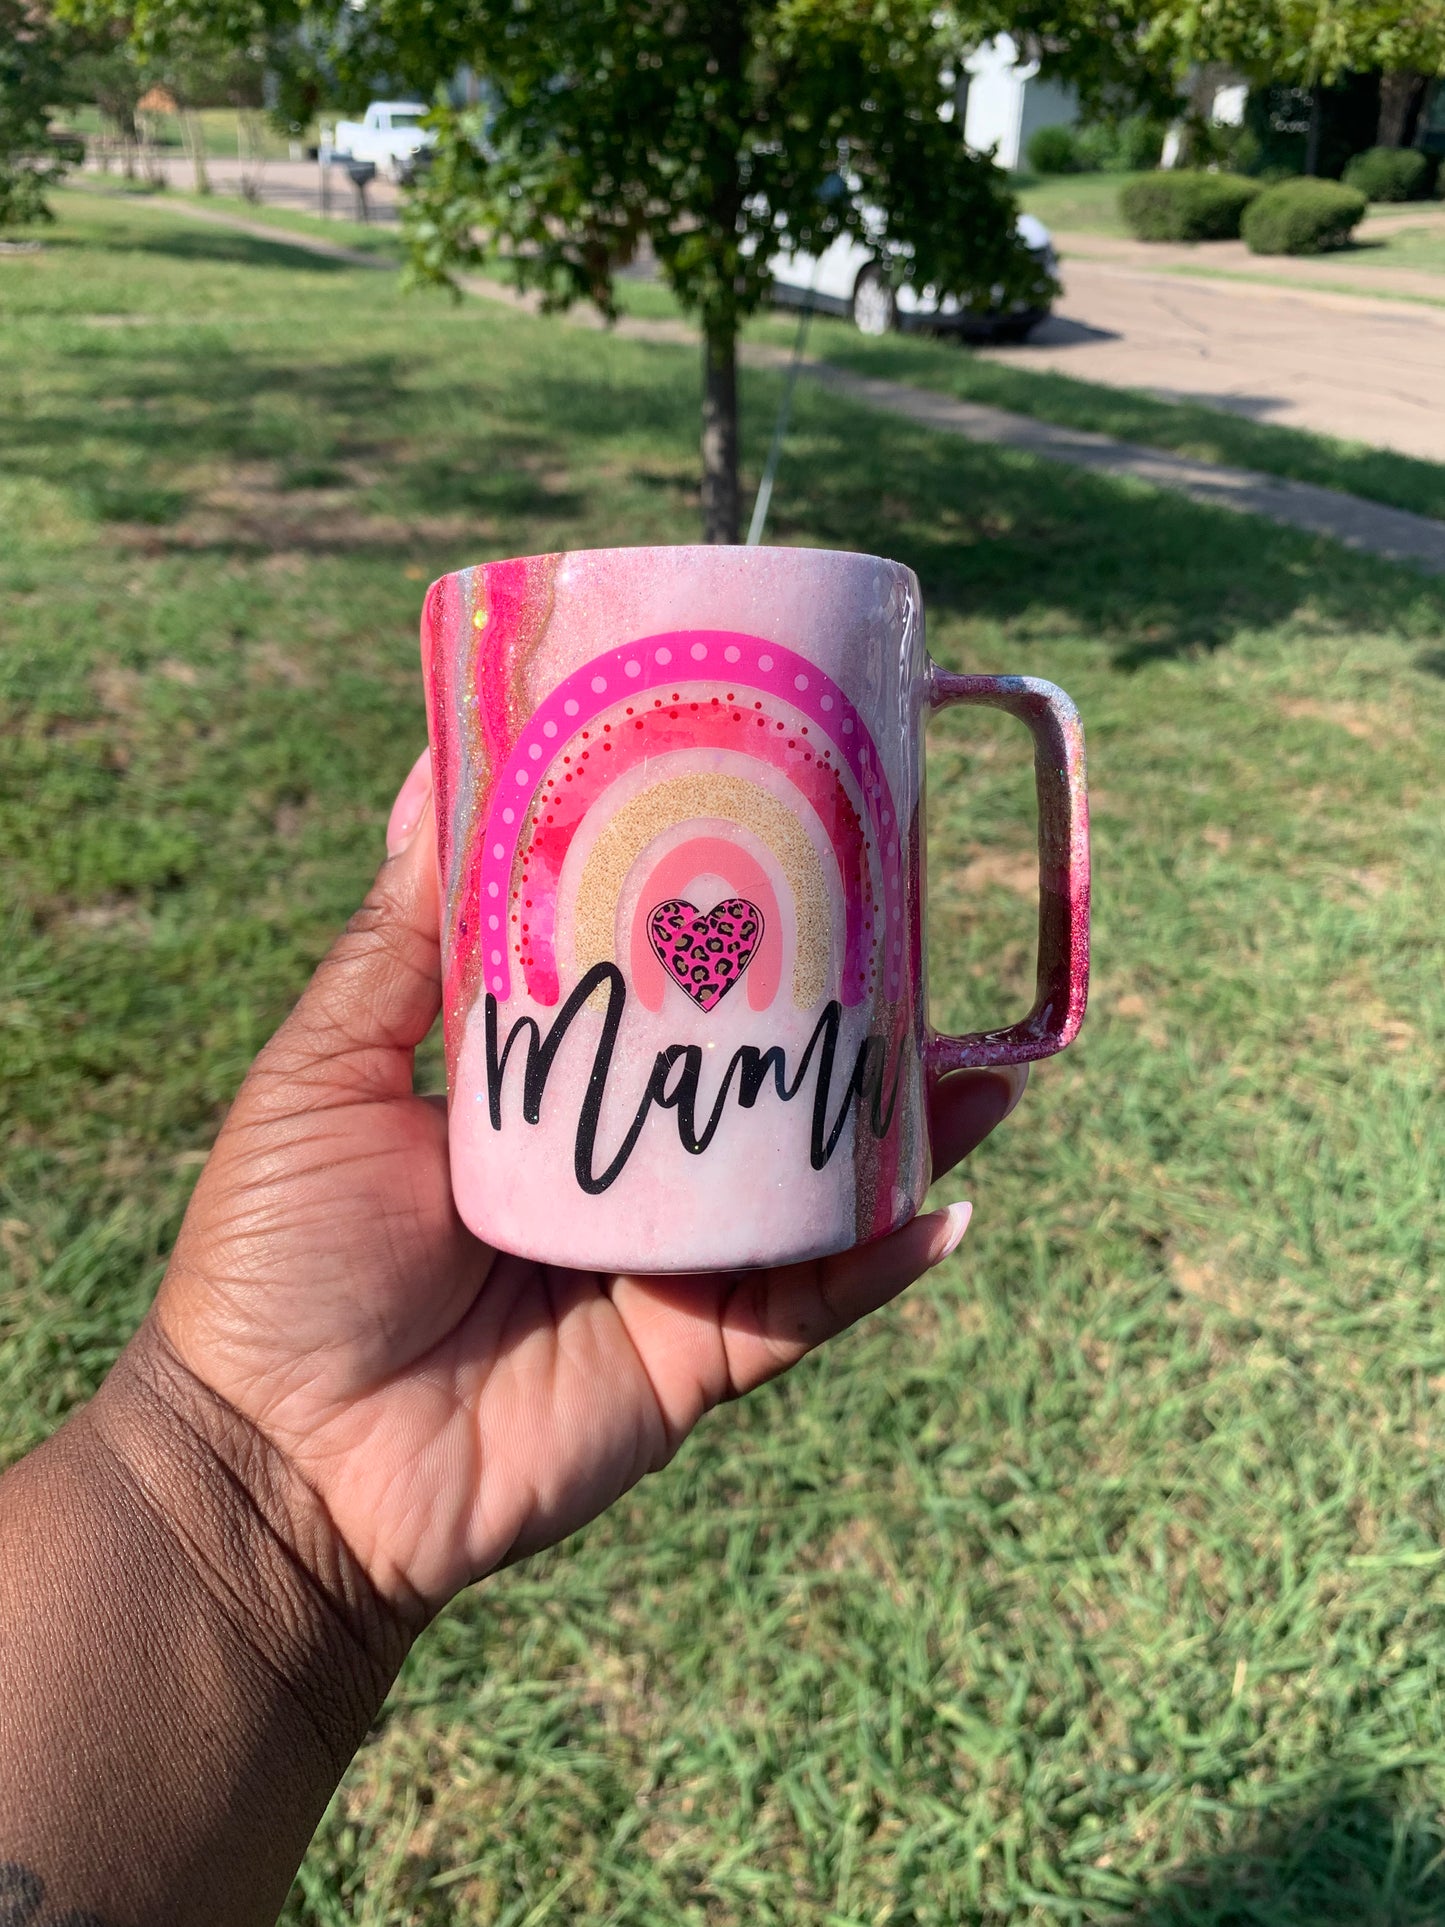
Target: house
x=1003, y=101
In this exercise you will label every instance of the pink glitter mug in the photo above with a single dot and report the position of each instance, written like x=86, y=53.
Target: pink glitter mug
x=679, y=811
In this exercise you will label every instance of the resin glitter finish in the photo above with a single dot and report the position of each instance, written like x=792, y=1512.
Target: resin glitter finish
x=680, y=841
x=478, y=630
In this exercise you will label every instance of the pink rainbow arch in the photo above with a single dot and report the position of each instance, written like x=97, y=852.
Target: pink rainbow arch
x=678, y=658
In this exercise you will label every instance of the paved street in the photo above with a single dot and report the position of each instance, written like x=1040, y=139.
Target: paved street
x=1370, y=370
x=292, y=184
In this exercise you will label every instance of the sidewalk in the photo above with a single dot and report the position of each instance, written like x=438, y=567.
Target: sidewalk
x=1393, y=534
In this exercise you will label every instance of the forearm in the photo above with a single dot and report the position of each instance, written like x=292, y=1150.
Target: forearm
x=188, y=1660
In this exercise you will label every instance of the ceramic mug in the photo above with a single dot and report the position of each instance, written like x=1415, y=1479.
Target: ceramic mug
x=679, y=804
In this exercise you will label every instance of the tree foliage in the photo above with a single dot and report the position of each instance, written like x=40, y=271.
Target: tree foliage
x=232, y=54
x=720, y=132
x=1308, y=41
x=1103, y=49
x=716, y=131
x=32, y=82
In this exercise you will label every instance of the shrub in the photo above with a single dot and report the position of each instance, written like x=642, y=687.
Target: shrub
x=1302, y=217
x=1389, y=174
x=1186, y=206
x=1094, y=147
x=22, y=195
x=1054, y=150
x=1140, y=143
x=1119, y=146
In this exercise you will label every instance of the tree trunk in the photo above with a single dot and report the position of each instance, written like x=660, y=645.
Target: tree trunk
x=195, y=145
x=1401, y=95
x=249, y=151
x=721, y=514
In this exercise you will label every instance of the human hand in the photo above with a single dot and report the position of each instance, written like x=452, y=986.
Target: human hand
x=452, y=1407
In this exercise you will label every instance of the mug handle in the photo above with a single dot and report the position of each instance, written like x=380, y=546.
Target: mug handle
x=1063, y=968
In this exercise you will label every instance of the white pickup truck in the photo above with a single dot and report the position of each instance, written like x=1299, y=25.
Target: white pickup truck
x=389, y=135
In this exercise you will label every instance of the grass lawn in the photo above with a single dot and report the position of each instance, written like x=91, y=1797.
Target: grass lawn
x=381, y=238
x=1414, y=247
x=1089, y=204
x=220, y=131
x=1100, y=1581
x=1075, y=203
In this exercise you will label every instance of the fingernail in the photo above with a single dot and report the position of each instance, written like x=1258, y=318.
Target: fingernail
x=412, y=801
x=956, y=1219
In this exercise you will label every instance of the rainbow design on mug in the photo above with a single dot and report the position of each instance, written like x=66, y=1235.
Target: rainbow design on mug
x=668, y=757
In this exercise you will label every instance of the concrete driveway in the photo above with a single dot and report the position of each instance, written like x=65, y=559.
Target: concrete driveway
x=1368, y=370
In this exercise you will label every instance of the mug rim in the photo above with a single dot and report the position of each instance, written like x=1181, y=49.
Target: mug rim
x=697, y=549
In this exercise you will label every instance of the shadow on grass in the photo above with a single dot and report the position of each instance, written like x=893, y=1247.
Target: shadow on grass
x=1254, y=408
x=217, y=246
x=1349, y=1861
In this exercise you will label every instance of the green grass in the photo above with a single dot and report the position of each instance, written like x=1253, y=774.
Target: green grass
x=1346, y=278
x=219, y=131
x=1420, y=247
x=1075, y=203
x=1102, y=1579
x=1089, y=204
x=383, y=239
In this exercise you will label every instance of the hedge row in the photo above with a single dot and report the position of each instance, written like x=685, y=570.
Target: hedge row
x=1390, y=174
x=1296, y=217
x=1124, y=147
x=1184, y=205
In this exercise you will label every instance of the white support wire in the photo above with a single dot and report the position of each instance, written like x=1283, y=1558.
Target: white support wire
x=780, y=426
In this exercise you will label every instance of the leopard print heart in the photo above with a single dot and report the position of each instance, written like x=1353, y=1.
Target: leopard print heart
x=705, y=955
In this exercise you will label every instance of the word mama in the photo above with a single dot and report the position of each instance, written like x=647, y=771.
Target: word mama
x=673, y=1084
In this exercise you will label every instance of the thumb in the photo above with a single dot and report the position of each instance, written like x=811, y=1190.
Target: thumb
x=376, y=993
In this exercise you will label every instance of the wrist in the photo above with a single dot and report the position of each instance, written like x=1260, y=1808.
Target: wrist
x=189, y=1656
x=251, y=1536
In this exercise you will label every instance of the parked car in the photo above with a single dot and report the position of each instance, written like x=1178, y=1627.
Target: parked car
x=849, y=279
x=389, y=135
